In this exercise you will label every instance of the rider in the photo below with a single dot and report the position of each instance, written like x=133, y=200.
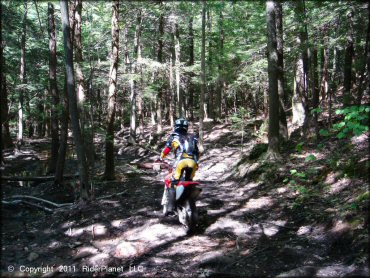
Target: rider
x=187, y=155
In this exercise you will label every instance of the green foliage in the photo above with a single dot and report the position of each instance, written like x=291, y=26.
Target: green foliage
x=316, y=110
x=310, y=157
x=356, y=119
x=355, y=122
x=238, y=120
x=324, y=132
x=299, y=147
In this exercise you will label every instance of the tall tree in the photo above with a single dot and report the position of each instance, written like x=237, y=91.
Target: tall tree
x=221, y=81
x=273, y=73
x=179, y=94
x=82, y=96
x=6, y=140
x=72, y=103
x=22, y=75
x=112, y=96
x=203, y=76
x=2, y=98
x=365, y=62
x=53, y=89
x=160, y=60
x=315, y=90
x=139, y=71
x=191, y=63
x=63, y=141
x=283, y=129
x=349, y=53
x=299, y=99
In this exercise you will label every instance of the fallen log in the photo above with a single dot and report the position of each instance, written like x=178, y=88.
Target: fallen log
x=20, y=202
x=39, y=199
x=41, y=178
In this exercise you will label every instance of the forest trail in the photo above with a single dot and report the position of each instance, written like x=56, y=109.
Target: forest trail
x=247, y=225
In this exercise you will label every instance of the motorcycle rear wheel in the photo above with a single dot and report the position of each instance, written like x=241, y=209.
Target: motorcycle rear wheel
x=188, y=215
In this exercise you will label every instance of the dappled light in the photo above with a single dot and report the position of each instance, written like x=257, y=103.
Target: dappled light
x=186, y=139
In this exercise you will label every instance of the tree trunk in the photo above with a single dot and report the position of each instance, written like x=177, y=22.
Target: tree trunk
x=349, y=53
x=315, y=90
x=109, y=139
x=72, y=102
x=299, y=100
x=191, y=63
x=209, y=90
x=203, y=77
x=138, y=70
x=273, y=73
x=283, y=128
x=5, y=133
x=59, y=169
x=220, y=66
x=325, y=68
x=53, y=90
x=365, y=61
x=22, y=76
x=82, y=101
x=180, y=98
x=170, y=94
x=160, y=60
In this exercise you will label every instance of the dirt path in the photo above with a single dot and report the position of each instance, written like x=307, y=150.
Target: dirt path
x=247, y=228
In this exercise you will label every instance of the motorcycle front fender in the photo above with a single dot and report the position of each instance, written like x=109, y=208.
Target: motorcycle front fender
x=179, y=191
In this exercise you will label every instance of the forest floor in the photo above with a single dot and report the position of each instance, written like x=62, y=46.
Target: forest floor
x=306, y=215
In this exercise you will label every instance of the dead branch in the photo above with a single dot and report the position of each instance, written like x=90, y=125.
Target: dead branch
x=112, y=195
x=37, y=206
x=44, y=178
x=40, y=200
x=16, y=202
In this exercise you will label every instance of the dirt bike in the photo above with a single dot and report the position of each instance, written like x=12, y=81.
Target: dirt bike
x=187, y=193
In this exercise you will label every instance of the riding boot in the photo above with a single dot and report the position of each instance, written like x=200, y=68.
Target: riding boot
x=172, y=196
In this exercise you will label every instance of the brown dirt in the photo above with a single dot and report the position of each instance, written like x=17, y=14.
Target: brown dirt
x=253, y=222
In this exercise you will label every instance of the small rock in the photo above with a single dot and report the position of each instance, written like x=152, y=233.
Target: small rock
x=32, y=256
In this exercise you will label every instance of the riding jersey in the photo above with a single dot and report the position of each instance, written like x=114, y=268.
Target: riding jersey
x=184, y=146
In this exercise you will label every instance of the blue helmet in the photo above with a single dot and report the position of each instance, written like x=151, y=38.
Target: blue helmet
x=181, y=125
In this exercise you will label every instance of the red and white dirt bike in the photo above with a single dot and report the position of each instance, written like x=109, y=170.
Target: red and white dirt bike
x=187, y=193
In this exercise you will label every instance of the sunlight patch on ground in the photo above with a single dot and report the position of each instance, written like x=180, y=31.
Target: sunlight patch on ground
x=339, y=186
x=154, y=233
x=272, y=228
x=129, y=249
x=118, y=223
x=254, y=204
x=216, y=134
x=85, y=251
x=304, y=230
x=228, y=224
x=74, y=232
x=68, y=224
x=54, y=244
x=210, y=256
x=312, y=232
x=94, y=230
x=99, y=259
